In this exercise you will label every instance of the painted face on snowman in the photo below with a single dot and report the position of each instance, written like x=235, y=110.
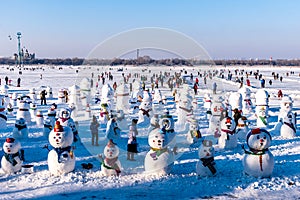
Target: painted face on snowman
x=157, y=140
x=111, y=151
x=259, y=140
x=61, y=137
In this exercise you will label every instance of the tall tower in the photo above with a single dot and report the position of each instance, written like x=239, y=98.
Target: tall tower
x=137, y=53
x=19, y=49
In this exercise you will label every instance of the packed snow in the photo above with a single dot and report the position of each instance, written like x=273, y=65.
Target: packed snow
x=183, y=182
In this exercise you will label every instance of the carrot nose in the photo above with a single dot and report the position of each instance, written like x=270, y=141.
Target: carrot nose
x=261, y=140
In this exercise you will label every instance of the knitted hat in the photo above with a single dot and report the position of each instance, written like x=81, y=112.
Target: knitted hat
x=10, y=140
x=58, y=127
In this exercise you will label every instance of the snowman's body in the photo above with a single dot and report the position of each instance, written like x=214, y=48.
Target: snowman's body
x=122, y=101
x=228, y=138
x=246, y=100
x=145, y=111
x=13, y=158
x=47, y=127
x=154, y=123
x=3, y=115
x=217, y=107
x=121, y=120
x=20, y=131
x=61, y=159
x=288, y=128
x=74, y=95
x=184, y=109
x=13, y=99
x=259, y=161
x=113, y=132
x=39, y=119
x=207, y=105
x=242, y=128
x=194, y=133
x=159, y=160
x=111, y=165
x=32, y=94
x=262, y=108
x=206, y=165
x=107, y=96
x=104, y=114
x=32, y=110
x=235, y=101
x=23, y=111
x=85, y=91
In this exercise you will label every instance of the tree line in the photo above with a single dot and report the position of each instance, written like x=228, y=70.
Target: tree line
x=146, y=60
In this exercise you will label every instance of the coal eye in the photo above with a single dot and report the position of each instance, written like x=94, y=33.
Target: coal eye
x=59, y=137
x=257, y=137
x=205, y=150
x=265, y=137
x=10, y=145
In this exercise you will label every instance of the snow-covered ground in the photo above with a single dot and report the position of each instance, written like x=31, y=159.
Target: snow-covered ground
x=182, y=183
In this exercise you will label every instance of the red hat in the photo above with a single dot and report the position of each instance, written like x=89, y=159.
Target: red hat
x=10, y=140
x=110, y=143
x=58, y=127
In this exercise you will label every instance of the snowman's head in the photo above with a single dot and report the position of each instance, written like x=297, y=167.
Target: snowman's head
x=261, y=111
x=206, y=150
x=60, y=136
x=111, y=150
x=157, y=139
x=21, y=121
x=258, y=139
x=242, y=122
x=11, y=146
x=64, y=113
x=146, y=105
x=286, y=104
x=228, y=124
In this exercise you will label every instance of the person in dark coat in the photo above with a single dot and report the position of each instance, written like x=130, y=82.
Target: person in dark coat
x=43, y=97
x=94, y=130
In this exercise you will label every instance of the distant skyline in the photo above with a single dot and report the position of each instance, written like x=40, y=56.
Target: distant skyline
x=226, y=29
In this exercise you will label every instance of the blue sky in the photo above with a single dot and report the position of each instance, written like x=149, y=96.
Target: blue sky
x=225, y=28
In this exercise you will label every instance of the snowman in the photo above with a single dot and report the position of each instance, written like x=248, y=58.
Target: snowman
x=167, y=127
x=104, y=114
x=61, y=159
x=74, y=95
x=32, y=110
x=184, y=109
x=246, y=100
x=110, y=164
x=217, y=108
x=39, y=119
x=122, y=101
x=242, y=128
x=85, y=91
x=258, y=161
x=66, y=120
x=288, y=128
x=136, y=94
x=157, y=101
x=159, y=160
x=3, y=115
x=228, y=138
x=145, y=111
x=194, y=133
x=23, y=111
x=48, y=126
x=20, y=131
x=235, y=101
x=206, y=165
x=13, y=157
x=121, y=120
x=61, y=98
x=262, y=108
x=107, y=96
x=49, y=92
x=13, y=99
x=286, y=107
x=112, y=132
x=73, y=109
x=32, y=94
x=51, y=114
